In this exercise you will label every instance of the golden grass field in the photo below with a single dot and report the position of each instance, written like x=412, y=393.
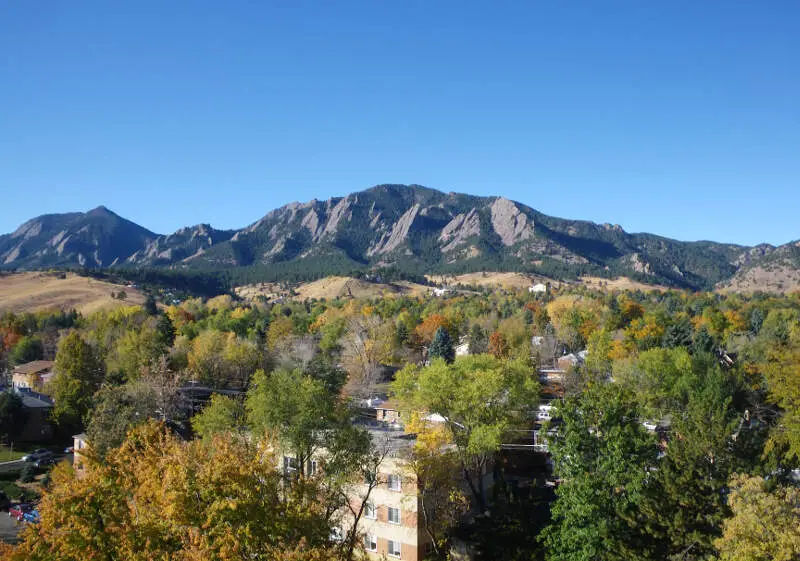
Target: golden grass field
x=330, y=288
x=619, y=283
x=511, y=281
x=30, y=292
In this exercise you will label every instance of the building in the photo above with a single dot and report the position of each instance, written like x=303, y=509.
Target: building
x=80, y=442
x=463, y=347
x=537, y=288
x=441, y=291
x=32, y=376
x=38, y=427
x=388, y=412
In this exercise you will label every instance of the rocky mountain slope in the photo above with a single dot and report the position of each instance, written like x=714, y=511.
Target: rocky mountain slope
x=411, y=228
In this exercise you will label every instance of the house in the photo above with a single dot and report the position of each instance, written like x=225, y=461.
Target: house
x=537, y=288
x=440, y=291
x=463, y=347
x=32, y=376
x=388, y=412
x=572, y=360
x=38, y=427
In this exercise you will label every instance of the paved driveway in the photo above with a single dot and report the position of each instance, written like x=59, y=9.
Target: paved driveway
x=9, y=527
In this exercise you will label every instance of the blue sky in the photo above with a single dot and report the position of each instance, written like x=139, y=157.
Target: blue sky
x=676, y=117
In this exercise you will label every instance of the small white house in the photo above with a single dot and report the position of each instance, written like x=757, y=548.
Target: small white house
x=440, y=291
x=463, y=347
x=537, y=288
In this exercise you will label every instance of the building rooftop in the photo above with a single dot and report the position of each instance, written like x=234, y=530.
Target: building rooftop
x=34, y=367
x=35, y=400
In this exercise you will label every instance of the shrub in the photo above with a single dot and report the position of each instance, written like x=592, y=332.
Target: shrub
x=28, y=474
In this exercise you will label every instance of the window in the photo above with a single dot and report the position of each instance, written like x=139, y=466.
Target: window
x=337, y=535
x=370, y=511
x=370, y=543
x=289, y=464
x=394, y=515
x=312, y=467
x=394, y=482
x=394, y=548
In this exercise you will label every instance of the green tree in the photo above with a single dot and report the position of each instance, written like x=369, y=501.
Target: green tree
x=116, y=410
x=442, y=346
x=27, y=349
x=78, y=374
x=478, y=340
x=12, y=416
x=221, y=414
x=297, y=410
x=480, y=399
x=603, y=456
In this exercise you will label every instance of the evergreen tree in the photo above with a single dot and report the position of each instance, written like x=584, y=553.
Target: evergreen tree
x=478, y=342
x=442, y=346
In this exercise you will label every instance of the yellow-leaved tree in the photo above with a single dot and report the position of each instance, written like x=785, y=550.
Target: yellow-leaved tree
x=157, y=497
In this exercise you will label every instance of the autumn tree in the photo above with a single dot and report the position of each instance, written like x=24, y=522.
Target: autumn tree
x=159, y=498
x=498, y=345
x=366, y=346
x=764, y=524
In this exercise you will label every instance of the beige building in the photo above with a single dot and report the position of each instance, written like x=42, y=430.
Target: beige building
x=32, y=376
x=392, y=522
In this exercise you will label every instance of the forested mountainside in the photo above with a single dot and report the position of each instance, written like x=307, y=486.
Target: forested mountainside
x=407, y=227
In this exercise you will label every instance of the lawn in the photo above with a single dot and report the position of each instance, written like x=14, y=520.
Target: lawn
x=6, y=455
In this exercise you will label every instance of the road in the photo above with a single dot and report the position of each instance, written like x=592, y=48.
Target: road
x=9, y=528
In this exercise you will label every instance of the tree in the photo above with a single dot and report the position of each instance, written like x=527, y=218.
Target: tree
x=159, y=498
x=150, y=306
x=435, y=468
x=78, y=374
x=480, y=398
x=366, y=346
x=442, y=346
x=116, y=410
x=478, y=342
x=765, y=522
x=27, y=349
x=12, y=416
x=296, y=409
x=603, y=455
x=782, y=372
x=221, y=414
x=498, y=345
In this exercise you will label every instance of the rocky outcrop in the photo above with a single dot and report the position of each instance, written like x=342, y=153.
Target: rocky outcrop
x=509, y=223
x=399, y=234
x=459, y=230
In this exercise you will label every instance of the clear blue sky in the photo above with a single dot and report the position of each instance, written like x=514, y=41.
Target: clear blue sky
x=678, y=117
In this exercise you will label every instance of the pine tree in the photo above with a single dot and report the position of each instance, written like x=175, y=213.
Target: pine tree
x=442, y=346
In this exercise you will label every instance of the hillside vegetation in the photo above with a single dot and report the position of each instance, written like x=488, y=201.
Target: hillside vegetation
x=30, y=292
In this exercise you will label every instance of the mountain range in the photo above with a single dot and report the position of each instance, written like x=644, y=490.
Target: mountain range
x=409, y=228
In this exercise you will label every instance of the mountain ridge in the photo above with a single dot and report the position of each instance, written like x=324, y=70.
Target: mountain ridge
x=406, y=227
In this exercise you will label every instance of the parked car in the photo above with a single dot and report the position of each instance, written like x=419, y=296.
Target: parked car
x=18, y=511
x=31, y=516
x=35, y=455
x=46, y=460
